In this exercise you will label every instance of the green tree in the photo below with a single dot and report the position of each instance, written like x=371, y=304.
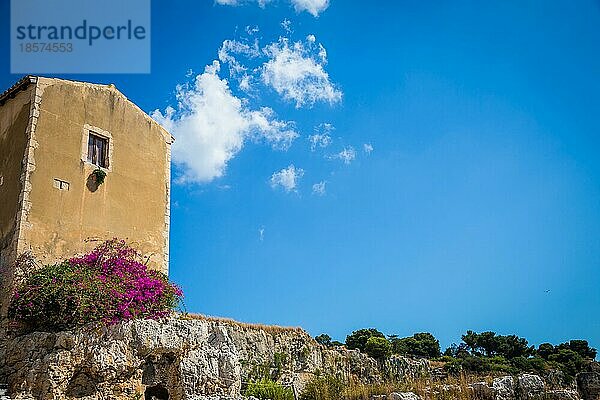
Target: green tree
x=323, y=339
x=545, y=350
x=471, y=339
x=568, y=361
x=580, y=347
x=358, y=339
x=457, y=351
x=490, y=344
x=512, y=346
x=378, y=347
x=418, y=345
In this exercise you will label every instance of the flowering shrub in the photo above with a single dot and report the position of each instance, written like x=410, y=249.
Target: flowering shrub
x=109, y=284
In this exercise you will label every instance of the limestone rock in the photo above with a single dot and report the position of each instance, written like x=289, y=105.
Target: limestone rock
x=530, y=387
x=482, y=391
x=562, y=394
x=403, y=396
x=449, y=391
x=188, y=358
x=504, y=388
x=588, y=384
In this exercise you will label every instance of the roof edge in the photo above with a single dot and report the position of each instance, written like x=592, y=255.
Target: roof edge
x=25, y=81
x=21, y=84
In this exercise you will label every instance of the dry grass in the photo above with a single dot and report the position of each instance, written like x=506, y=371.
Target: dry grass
x=361, y=391
x=244, y=325
x=437, y=364
x=452, y=388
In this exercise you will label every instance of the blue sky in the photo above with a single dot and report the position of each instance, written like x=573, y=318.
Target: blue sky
x=445, y=162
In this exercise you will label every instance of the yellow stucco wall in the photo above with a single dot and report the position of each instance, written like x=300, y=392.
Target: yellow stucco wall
x=133, y=201
x=14, y=119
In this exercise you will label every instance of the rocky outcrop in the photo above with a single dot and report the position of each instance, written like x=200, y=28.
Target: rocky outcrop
x=530, y=387
x=403, y=396
x=186, y=358
x=588, y=384
x=504, y=388
x=522, y=387
x=481, y=390
x=206, y=358
x=562, y=394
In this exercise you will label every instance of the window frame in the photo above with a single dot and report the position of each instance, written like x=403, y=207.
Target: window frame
x=89, y=130
x=99, y=148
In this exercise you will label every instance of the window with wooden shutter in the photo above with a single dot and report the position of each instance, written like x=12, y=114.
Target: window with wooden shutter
x=97, y=150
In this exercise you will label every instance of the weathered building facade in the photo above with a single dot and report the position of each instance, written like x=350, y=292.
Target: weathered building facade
x=54, y=134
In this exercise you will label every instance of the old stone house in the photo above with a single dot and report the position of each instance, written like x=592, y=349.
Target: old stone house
x=54, y=134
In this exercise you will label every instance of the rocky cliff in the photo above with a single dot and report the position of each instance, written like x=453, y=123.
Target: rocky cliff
x=205, y=358
x=186, y=358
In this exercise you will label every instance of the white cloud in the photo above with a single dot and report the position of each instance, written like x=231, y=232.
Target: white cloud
x=368, y=148
x=238, y=47
x=296, y=72
x=251, y=30
x=261, y=234
x=280, y=134
x=245, y=83
x=314, y=7
x=347, y=155
x=319, y=188
x=322, y=54
x=286, y=24
x=228, y=51
x=229, y=54
x=211, y=125
x=261, y=3
x=321, y=137
x=287, y=178
x=320, y=140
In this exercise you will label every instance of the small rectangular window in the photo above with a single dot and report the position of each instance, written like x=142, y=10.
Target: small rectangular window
x=97, y=150
x=61, y=185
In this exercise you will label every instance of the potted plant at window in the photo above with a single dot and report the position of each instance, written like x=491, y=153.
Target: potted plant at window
x=99, y=175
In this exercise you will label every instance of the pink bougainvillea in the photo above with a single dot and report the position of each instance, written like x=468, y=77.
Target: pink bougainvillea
x=110, y=284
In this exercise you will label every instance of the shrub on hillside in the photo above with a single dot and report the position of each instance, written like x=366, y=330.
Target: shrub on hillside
x=110, y=284
x=488, y=352
x=490, y=344
x=570, y=357
x=358, y=339
x=545, y=350
x=456, y=351
x=531, y=364
x=378, y=347
x=417, y=345
x=323, y=339
x=323, y=387
x=568, y=361
x=266, y=389
x=580, y=347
